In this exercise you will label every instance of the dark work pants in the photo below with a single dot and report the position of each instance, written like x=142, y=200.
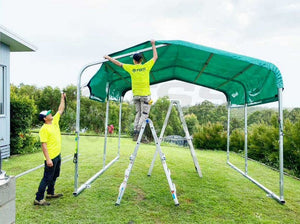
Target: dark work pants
x=49, y=178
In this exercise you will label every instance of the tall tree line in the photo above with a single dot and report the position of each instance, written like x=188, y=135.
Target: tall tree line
x=207, y=123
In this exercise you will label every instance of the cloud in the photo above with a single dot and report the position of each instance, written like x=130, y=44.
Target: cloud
x=72, y=33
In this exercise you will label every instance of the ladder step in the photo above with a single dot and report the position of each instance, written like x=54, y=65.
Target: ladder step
x=173, y=191
x=126, y=172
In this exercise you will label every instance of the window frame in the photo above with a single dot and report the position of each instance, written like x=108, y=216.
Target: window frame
x=3, y=79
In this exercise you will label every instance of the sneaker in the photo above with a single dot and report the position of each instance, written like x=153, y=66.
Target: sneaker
x=42, y=202
x=54, y=195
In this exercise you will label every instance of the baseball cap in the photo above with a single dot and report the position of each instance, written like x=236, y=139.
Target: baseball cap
x=43, y=114
x=137, y=57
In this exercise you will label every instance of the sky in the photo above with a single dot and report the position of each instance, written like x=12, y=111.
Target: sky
x=69, y=34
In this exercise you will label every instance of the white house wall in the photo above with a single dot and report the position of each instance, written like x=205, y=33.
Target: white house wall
x=5, y=119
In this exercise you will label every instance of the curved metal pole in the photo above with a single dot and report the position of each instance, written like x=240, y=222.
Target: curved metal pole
x=76, y=190
x=77, y=133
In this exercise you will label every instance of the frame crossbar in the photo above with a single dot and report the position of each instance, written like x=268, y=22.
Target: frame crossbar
x=65, y=159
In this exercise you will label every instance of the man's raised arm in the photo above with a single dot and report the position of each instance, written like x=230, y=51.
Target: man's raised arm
x=116, y=62
x=155, y=56
x=61, y=107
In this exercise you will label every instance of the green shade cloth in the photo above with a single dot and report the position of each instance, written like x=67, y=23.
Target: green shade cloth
x=243, y=80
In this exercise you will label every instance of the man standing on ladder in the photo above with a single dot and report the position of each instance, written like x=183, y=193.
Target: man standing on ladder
x=140, y=79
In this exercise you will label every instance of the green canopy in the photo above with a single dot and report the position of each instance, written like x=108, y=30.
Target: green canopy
x=242, y=79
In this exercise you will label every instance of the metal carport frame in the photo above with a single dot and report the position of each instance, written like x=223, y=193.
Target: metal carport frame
x=245, y=81
x=78, y=190
x=280, y=198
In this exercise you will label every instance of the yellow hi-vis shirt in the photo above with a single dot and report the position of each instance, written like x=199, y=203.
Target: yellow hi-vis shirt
x=50, y=134
x=140, y=79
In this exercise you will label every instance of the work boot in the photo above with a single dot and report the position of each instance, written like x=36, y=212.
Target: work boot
x=135, y=135
x=54, y=195
x=145, y=140
x=42, y=202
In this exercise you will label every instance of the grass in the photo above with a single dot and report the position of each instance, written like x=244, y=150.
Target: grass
x=221, y=196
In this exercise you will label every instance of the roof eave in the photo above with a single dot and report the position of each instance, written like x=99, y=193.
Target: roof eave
x=15, y=43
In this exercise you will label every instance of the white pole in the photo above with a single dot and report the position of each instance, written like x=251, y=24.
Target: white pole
x=270, y=193
x=280, y=144
x=228, y=131
x=106, y=124
x=87, y=184
x=65, y=159
x=246, y=141
x=120, y=124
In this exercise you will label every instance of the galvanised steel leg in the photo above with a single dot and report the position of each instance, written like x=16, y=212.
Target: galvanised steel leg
x=281, y=183
x=106, y=125
x=246, y=141
x=228, y=132
x=120, y=125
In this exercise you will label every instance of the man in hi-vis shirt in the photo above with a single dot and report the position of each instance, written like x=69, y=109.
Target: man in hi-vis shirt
x=140, y=80
x=50, y=138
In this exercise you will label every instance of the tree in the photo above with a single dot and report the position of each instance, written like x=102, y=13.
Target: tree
x=158, y=114
x=263, y=116
x=208, y=112
x=128, y=115
x=294, y=115
x=191, y=122
x=49, y=99
x=92, y=115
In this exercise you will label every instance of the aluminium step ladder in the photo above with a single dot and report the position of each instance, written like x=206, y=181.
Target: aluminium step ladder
x=187, y=136
x=132, y=159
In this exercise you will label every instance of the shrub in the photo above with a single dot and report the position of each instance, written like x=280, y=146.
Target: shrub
x=237, y=140
x=292, y=146
x=210, y=136
x=22, y=110
x=263, y=144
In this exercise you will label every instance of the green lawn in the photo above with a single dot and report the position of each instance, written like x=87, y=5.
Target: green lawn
x=221, y=196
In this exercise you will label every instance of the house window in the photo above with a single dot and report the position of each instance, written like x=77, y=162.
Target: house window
x=2, y=84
